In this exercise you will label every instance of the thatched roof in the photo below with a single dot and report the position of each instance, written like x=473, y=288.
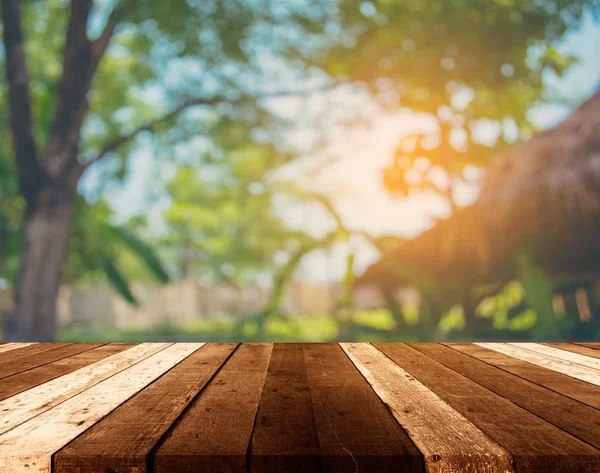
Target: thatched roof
x=543, y=194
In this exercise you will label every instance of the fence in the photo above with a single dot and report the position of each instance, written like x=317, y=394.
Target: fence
x=182, y=301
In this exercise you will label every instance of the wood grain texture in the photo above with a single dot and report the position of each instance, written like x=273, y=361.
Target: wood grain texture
x=356, y=431
x=28, y=379
x=213, y=434
x=285, y=435
x=4, y=347
x=573, y=370
x=535, y=445
x=39, y=359
x=561, y=354
x=594, y=345
x=448, y=441
x=578, y=419
x=21, y=407
x=25, y=354
x=572, y=347
x=574, y=388
x=33, y=442
x=123, y=440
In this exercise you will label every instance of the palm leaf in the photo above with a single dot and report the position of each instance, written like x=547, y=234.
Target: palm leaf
x=118, y=281
x=144, y=252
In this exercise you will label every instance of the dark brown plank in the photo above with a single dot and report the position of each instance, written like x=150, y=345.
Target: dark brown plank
x=12, y=355
x=213, y=435
x=579, y=349
x=536, y=446
x=20, y=382
x=285, y=435
x=123, y=440
x=28, y=362
x=355, y=429
x=572, y=416
x=574, y=388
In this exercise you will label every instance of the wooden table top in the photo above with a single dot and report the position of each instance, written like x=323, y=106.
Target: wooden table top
x=261, y=407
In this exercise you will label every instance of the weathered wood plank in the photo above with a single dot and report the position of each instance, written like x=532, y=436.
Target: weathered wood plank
x=39, y=359
x=4, y=347
x=565, y=355
x=123, y=440
x=449, y=442
x=285, y=435
x=214, y=433
x=26, y=353
x=29, y=379
x=594, y=345
x=572, y=347
x=356, y=431
x=33, y=442
x=18, y=409
x=572, y=416
x=574, y=388
x=577, y=371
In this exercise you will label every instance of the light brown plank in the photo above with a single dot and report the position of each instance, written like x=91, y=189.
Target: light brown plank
x=26, y=405
x=33, y=442
x=122, y=441
x=572, y=347
x=593, y=345
x=538, y=438
x=24, y=354
x=20, y=382
x=565, y=355
x=577, y=371
x=13, y=346
x=563, y=384
x=449, y=442
x=214, y=433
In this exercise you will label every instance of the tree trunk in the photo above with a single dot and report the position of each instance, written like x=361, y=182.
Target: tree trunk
x=46, y=233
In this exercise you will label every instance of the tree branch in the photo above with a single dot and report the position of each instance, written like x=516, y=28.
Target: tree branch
x=100, y=45
x=115, y=143
x=74, y=85
x=29, y=170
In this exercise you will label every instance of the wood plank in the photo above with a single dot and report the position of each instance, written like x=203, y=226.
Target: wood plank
x=18, y=409
x=39, y=359
x=563, y=384
x=28, y=379
x=449, y=442
x=582, y=350
x=33, y=442
x=4, y=347
x=25, y=352
x=572, y=416
x=214, y=433
x=535, y=445
x=564, y=355
x=356, y=431
x=577, y=371
x=285, y=435
x=123, y=440
x=594, y=345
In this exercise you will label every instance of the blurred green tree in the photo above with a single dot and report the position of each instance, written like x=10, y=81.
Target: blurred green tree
x=465, y=63
x=81, y=97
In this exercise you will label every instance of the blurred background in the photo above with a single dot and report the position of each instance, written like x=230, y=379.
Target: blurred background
x=315, y=170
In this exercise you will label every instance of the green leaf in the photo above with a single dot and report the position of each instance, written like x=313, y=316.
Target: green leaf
x=117, y=280
x=144, y=252
x=538, y=295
